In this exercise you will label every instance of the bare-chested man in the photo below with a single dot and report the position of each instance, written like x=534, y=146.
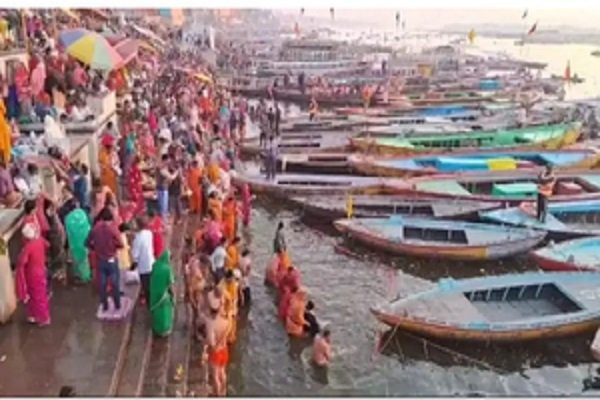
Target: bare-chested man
x=217, y=330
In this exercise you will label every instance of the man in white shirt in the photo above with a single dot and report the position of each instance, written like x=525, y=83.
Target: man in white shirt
x=142, y=252
x=217, y=261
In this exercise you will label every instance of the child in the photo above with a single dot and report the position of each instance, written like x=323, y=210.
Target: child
x=124, y=256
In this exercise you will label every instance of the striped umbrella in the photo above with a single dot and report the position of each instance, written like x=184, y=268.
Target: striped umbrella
x=90, y=48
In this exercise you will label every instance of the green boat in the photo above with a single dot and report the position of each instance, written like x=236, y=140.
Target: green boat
x=550, y=137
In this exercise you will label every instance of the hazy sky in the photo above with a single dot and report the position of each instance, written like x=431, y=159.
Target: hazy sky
x=436, y=18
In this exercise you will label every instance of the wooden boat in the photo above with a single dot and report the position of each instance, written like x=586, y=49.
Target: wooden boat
x=505, y=308
x=564, y=219
x=472, y=163
x=295, y=184
x=321, y=163
x=448, y=98
x=332, y=207
x=573, y=255
x=550, y=137
x=507, y=187
x=304, y=142
x=437, y=238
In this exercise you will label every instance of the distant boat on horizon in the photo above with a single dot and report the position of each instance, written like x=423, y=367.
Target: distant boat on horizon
x=595, y=53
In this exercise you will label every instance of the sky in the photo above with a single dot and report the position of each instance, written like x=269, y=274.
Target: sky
x=429, y=18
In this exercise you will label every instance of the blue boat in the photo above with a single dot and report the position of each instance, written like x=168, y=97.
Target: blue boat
x=581, y=254
x=564, y=220
x=505, y=308
x=474, y=162
x=438, y=238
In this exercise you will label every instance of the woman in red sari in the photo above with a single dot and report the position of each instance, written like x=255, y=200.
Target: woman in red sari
x=157, y=228
x=31, y=279
x=136, y=192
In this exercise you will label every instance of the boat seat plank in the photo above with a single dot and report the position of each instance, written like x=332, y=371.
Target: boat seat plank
x=443, y=186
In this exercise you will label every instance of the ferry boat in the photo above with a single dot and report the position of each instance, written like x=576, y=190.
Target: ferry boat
x=313, y=58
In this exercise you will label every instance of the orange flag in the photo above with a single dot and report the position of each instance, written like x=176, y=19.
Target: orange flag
x=568, y=72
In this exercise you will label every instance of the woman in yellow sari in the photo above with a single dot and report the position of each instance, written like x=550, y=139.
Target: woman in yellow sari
x=106, y=159
x=214, y=173
x=5, y=134
x=231, y=289
x=233, y=254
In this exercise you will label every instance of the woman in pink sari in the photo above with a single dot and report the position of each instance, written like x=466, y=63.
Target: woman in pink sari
x=246, y=204
x=31, y=277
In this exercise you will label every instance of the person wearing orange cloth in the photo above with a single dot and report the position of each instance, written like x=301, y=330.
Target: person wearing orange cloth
x=217, y=331
x=294, y=324
x=215, y=206
x=231, y=291
x=271, y=271
x=214, y=173
x=5, y=134
x=280, y=246
x=229, y=218
x=284, y=304
x=233, y=254
x=194, y=177
x=109, y=169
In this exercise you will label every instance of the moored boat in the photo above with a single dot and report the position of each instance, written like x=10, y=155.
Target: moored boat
x=581, y=254
x=508, y=187
x=304, y=184
x=322, y=163
x=470, y=163
x=436, y=238
x=548, y=137
x=505, y=308
x=304, y=142
x=332, y=207
x=563, y=220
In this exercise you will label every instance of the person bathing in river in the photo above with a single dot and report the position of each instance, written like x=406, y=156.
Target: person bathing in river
x=245, y=269
x=312, y=325
x=295, y=321
x=322, y=349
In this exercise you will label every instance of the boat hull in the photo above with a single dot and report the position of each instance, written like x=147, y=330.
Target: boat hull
x=367, y=165
x=371, y=146
x=493, y=251
x=454, y=333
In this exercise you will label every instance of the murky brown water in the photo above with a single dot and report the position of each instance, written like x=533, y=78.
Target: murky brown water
x=266, y=362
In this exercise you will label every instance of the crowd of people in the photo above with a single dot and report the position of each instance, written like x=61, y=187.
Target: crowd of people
x=170, y=155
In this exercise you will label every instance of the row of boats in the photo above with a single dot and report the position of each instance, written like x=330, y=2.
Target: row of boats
x=466, y=195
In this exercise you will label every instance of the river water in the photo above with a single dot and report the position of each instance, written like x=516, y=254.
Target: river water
x=266, y=362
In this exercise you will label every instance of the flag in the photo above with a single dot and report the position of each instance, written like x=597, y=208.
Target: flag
x=471, y=36
x=332, y=13
x=533, y=28
x=568, y=72
x=297, y=29
x=525, y=14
